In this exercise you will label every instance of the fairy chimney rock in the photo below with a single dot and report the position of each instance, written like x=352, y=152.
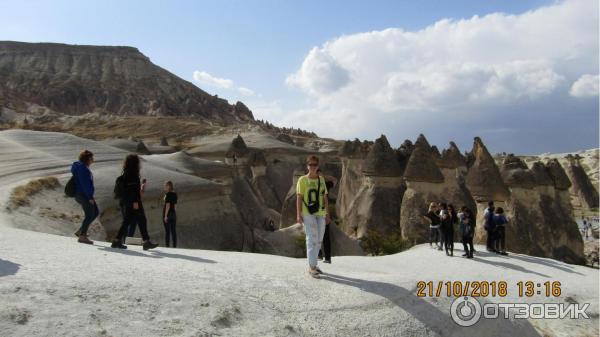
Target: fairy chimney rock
x=421, y=164
x=382, y=160
x=483, y=178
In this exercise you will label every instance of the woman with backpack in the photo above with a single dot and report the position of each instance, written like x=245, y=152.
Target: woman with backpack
x=500, y=222
x=84, y=193
x=128, y=190
x=467, y=230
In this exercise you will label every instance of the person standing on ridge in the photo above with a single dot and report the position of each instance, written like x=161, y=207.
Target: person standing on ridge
x=169, y=216
x=434, y=224
x=488, y=225
x=311, y=211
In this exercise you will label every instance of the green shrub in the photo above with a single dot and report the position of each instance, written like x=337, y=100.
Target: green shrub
x=376, y=243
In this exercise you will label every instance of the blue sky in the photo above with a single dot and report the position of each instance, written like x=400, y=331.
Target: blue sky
x=272, y=48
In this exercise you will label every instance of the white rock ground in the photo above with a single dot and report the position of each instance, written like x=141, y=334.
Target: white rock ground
x=52, y=286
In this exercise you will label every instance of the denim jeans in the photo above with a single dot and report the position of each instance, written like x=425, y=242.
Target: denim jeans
x=314, y=227
x=90, y=210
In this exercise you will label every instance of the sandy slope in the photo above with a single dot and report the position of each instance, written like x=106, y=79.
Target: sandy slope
x=50, y=285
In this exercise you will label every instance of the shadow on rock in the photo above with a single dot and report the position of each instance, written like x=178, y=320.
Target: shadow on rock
x=181, y=256
x=8, y=268
x=431, y=316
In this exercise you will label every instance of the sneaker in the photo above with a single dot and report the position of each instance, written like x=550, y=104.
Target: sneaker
x=465, y=254
x=470, y=257
x=314, y=274
x=318, y=270
x=118, y=245
x=84, y=239
x=504, y=253
x=327, y=261
x=149, y=245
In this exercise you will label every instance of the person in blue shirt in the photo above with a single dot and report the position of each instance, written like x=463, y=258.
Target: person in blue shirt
x=84, y=195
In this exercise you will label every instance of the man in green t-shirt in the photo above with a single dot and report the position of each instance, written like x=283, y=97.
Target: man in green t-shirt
x=311, y=210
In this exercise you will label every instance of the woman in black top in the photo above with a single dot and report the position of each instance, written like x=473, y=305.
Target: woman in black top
x=448, y=230
x=131, y=203
x=168, y=214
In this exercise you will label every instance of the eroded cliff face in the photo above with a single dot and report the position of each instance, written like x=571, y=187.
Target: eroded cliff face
x=75, y=80
x=540, y=212
x=536, y=199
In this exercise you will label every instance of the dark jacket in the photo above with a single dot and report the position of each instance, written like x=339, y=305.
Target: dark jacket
x=84, y=181
x=133, y=186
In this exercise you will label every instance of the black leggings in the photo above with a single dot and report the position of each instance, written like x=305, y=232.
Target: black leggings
x=434, y=235
x=133, y=216
x=326, y=251
x=500, y=241
x=449, y=240
x=170, y=231
x=468, y=240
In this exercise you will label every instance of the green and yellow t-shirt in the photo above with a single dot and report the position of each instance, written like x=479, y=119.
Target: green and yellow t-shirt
x=305, y=184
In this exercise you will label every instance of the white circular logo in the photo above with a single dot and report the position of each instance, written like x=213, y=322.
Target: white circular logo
x=465, y=311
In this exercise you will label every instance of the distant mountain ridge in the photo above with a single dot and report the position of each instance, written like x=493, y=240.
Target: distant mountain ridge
x=80, y=79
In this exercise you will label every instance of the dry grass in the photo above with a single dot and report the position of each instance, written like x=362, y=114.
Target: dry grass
x=21, y=195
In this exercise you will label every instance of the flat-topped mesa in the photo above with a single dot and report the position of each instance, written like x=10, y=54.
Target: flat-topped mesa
x=483, y=177
x=515, y=173
x=381, y=160
x=558, y=175
x=541, y=174
x=421, y=164
x=452, y=158
x=79, y=79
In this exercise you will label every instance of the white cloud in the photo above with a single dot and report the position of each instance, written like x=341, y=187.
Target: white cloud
x=246, y=91
x=319, y=73
x=204, y=78
x=585, y=86
x=467, y=67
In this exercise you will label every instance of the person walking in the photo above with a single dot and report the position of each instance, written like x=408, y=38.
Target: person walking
x=488, y=225
x=330, y=182
x=467, y=230
x=433, y=219
x=500, y=222
x=311, y=211
x=128, y=187
x=130, y=231
x=168, y=215
x=84, y=193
